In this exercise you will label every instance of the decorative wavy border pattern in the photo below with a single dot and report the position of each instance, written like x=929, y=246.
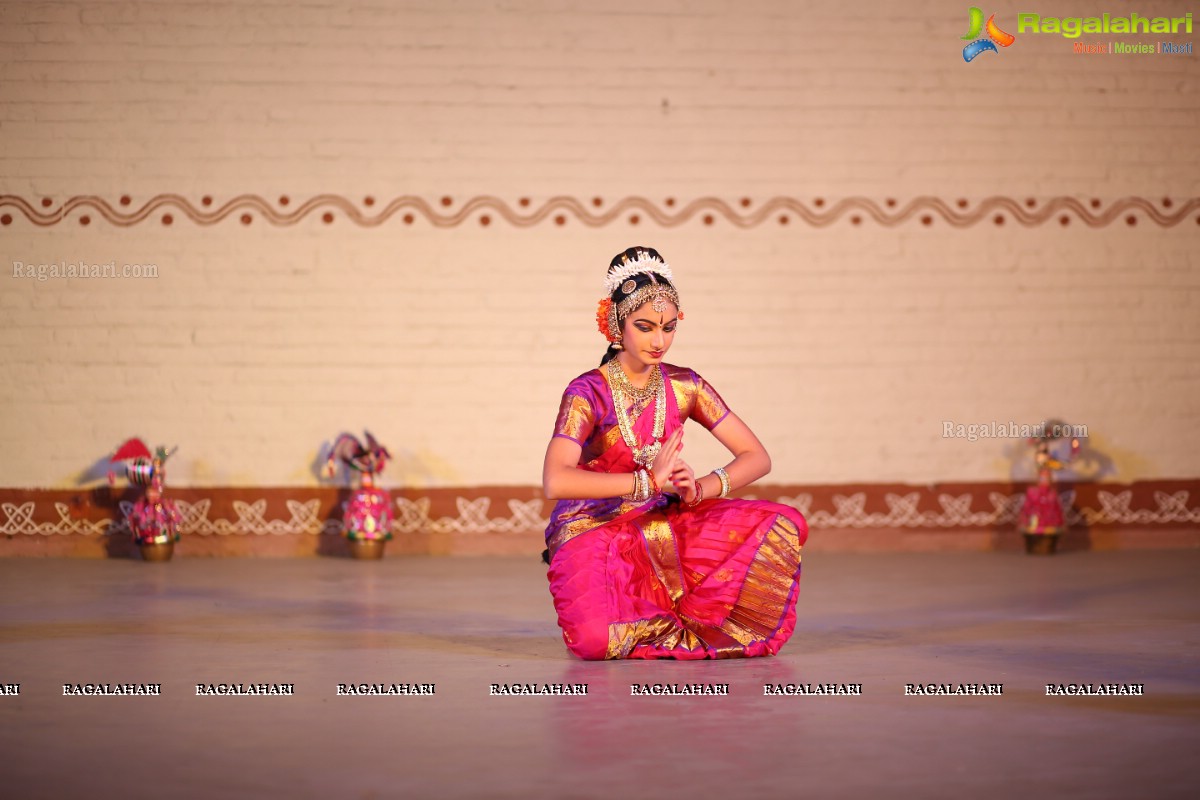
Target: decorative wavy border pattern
x=315, y=516
x=447, y=212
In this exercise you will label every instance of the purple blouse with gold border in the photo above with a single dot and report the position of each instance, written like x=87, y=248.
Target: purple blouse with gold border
x=587, y=416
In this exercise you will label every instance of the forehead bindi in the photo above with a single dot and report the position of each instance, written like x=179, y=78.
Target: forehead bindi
x=648, y=315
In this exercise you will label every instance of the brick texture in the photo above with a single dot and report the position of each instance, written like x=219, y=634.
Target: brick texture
x=845, y=347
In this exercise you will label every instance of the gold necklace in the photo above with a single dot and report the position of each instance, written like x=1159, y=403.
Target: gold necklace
x=640, y=395
x=643, y=455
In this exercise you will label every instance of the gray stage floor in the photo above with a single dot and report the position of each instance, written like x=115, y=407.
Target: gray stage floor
x=463, y=624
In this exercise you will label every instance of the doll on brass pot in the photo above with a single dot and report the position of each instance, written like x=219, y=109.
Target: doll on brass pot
x=368, y=515
x=1041, y=512
x=153, y=520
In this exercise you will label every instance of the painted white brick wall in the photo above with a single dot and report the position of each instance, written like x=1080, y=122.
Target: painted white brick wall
x=844, y=347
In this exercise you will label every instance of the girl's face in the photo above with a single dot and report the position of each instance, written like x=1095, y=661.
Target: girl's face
x=647, y=334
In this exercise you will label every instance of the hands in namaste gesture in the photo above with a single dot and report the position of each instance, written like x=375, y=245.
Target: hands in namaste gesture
x=669, y=465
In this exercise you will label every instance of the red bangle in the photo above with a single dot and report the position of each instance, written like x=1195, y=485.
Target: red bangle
x=653, y=482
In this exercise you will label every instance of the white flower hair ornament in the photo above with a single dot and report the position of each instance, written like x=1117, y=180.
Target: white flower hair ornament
x=644, y=263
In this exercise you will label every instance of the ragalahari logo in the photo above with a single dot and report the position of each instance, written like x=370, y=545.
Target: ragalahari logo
x=994, y=37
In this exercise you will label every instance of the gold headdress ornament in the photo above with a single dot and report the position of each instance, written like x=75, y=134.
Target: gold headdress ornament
x=610, y=315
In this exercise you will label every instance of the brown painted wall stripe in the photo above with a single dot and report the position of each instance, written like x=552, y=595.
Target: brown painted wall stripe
x=499, y=510
x=305, y=521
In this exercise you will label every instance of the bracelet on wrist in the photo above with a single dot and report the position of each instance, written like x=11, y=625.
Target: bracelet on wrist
x=643, y=480
x=699, y=495
x=637, y=486
x=655, y=490
x=720, y=473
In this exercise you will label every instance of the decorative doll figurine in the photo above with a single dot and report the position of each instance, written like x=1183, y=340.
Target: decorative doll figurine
x=367, y=520
x=153, y=520
x=1041, y=517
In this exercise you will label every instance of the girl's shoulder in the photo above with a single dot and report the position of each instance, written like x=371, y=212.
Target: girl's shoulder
x=696, y=397
x=681, y=375
x=587, y=383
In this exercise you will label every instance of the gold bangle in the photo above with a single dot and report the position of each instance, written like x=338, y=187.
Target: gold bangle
x=641, y=486
x=637, y=486
x=720, y=473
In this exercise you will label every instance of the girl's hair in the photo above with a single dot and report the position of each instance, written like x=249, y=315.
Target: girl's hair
x=641, y=278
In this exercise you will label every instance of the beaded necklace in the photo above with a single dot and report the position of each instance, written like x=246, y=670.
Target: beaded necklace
x=620, y=385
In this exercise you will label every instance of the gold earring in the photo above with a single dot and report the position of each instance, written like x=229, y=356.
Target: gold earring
x=617, y=345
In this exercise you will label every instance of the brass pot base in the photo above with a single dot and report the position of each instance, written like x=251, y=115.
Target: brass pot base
x=157, y=551
x=366, y=548
x=1041, y=544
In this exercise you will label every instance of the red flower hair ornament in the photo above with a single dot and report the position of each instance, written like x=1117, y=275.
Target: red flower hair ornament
x=603, y=310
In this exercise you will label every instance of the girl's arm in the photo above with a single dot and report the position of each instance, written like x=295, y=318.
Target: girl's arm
x=750, y=459
x=563, y=480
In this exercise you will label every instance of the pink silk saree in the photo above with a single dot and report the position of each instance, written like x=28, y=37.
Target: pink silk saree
x=657, y=579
